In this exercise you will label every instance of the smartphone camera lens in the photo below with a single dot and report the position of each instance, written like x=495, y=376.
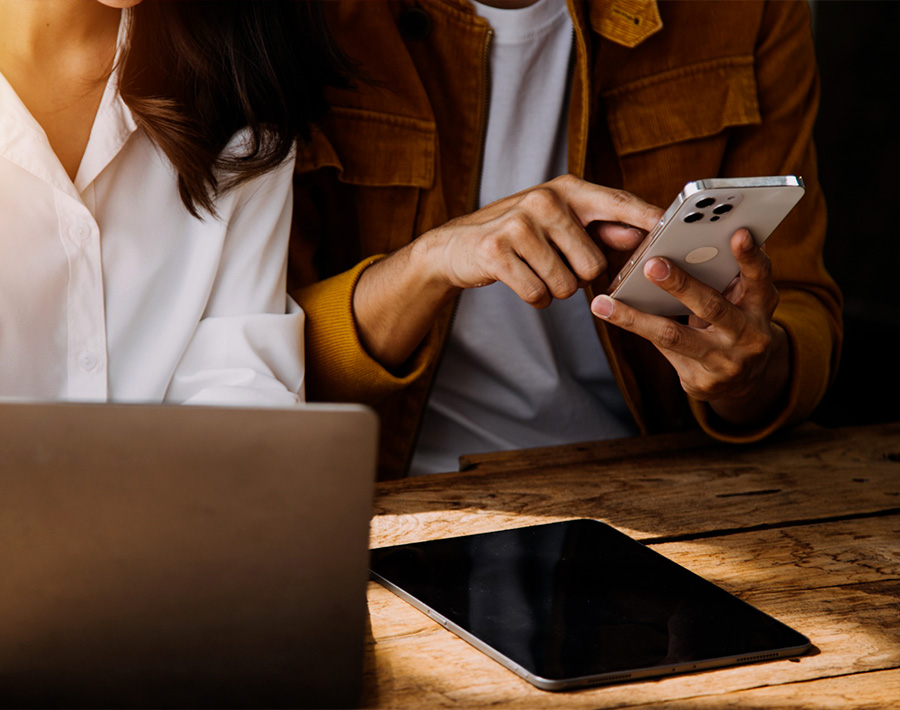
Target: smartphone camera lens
x=693, y=217
x=723, y=209
x=704, y=203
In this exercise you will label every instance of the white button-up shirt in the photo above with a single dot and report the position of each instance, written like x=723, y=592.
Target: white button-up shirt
x=110, y=290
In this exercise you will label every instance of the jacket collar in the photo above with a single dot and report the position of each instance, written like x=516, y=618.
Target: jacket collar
x=625, y=22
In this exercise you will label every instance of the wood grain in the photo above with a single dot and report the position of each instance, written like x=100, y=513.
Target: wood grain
x=806, y=528
x=821, y=474
x=878, y=690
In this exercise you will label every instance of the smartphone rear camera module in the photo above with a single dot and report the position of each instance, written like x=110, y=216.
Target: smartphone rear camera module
x=694, y=217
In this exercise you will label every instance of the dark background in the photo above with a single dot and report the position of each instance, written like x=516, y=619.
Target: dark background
x=858, y=142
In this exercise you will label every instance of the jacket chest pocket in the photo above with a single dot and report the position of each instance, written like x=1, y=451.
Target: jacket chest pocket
x=382, y=164
x=672, y=127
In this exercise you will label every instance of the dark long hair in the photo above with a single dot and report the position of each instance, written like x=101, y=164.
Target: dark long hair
x=197, y=71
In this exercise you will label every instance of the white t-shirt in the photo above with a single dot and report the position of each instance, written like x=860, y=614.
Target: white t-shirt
x=513, y=376
x=111, y=291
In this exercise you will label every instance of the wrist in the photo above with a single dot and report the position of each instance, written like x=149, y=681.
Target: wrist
x=426, y=257
x=766, y=398
x=397, y=299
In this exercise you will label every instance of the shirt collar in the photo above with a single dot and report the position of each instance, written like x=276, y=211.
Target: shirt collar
x=24, y=143
x=113, y=124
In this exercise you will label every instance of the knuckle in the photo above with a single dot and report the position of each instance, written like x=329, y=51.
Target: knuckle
x=541, y=199
x=707, y=385
x=565, y=286
x=713, y=307
x=517, y=226
x=593, y=269
x=493, y=248
x=677, y=282
x=588, y=265
x=760, y=345
x=669, y=336
x=536, y=296
x=695, y=382
x=729, y=371
x=621, y=198
x=565, y=181
x=747, y=346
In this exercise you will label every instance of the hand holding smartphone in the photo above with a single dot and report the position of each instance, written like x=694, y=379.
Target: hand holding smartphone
x=695, y=233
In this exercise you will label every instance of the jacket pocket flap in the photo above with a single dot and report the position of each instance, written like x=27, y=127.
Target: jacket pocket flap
x=373, y=149
x=679, y=105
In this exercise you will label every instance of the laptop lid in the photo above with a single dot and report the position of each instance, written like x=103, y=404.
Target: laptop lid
x=159, y=556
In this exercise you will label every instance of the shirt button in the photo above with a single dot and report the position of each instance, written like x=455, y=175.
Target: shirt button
x=87, y=361
x=80, y=231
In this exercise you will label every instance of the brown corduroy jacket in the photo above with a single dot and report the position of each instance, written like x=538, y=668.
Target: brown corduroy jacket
x=662, y=94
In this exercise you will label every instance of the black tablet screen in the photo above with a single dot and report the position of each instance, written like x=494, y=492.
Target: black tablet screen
x=578, y=602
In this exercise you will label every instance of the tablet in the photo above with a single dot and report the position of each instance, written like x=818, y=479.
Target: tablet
x=577, y=603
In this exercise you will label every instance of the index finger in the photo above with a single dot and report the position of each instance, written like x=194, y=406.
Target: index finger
x=701, y=299
x=596, y=203
x=616, y=235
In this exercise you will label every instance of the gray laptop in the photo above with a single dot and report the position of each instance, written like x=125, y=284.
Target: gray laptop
x=186, y=556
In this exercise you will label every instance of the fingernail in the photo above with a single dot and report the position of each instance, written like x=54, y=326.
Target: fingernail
x=657, y=269
x=603, y=306
x=747, y=242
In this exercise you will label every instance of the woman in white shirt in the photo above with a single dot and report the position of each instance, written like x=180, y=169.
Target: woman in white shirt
x=145, y=197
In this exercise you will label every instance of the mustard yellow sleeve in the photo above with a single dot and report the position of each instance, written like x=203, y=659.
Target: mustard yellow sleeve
x=338, y=368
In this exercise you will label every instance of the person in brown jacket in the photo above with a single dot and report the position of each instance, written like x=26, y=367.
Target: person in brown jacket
x=504, y=159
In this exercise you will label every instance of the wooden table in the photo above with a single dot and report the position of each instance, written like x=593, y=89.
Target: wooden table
x=805, y=526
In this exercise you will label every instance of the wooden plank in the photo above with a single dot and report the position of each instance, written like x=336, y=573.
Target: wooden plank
x=850, y=552
x=608, y=450
x=877, y=690
x=815, y=474
x=837, y=582
x=612, y=450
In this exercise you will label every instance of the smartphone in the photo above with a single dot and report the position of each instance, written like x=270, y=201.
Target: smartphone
x=578, y=603
x=695, y=232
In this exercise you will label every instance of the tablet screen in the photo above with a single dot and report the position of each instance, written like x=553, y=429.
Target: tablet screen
x=579, y=603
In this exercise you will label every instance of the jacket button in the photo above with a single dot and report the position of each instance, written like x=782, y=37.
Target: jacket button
x=414, y=23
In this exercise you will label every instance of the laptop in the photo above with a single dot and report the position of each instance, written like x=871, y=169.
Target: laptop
x=182, y=556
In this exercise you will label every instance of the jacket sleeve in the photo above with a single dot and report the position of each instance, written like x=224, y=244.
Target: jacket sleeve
x=338, y=366
x=810, y=303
